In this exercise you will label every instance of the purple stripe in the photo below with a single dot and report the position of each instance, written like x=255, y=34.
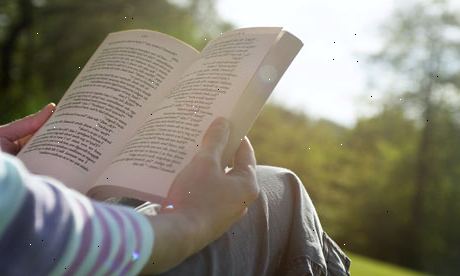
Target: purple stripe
x=106, y=244
x=121, y=250
x=25, y=249
x=85, y=242
x=138, y=237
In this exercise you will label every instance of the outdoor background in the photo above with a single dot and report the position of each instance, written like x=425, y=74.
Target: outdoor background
x=368, y=115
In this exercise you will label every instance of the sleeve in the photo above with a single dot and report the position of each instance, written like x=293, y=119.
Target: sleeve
x=48, y=229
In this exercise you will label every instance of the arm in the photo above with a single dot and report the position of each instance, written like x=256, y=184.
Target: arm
x=48, y=229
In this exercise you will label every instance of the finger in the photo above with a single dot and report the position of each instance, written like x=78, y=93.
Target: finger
x=8, y=146
x=244, y=156
x=27, y=125
x=21, y=142
x=216, y=138
x=244, y=172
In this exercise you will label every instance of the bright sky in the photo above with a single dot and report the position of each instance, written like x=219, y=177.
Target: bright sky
x=315, y=83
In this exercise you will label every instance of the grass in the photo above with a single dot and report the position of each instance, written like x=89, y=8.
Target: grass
x=363, y=266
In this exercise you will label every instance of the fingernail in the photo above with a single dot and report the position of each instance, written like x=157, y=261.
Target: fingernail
x=222, y=122
x=52, y=105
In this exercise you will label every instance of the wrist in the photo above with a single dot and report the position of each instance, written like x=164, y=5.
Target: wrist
x=188, y=230
x=192, y=224
x=174, y=241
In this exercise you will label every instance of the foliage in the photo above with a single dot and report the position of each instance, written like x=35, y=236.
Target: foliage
x=360, y=179
x=362, y=266
x=421, y=54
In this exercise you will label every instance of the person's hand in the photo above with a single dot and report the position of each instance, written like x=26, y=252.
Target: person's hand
x=203, y=191
x=206, y=200
x=14, y=136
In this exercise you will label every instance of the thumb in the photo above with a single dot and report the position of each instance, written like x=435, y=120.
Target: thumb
x=216, y=137
x=244, y=156
x=27, y=125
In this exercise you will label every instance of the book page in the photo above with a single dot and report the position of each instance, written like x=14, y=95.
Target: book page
x=168, y=139
x=105, y=104
x=250, y=103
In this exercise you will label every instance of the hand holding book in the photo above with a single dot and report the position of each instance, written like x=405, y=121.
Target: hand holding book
x=218, y=199
x=206, y=199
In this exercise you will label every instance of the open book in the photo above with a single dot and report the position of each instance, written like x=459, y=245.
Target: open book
x=136, y=113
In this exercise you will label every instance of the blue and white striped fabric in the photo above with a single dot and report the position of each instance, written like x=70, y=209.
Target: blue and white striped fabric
x=49, y=229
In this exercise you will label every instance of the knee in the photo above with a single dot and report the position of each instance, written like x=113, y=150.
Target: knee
x=283, y=185
x=277, y=177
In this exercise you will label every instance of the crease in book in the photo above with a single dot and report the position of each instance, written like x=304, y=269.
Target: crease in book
x=135, y=114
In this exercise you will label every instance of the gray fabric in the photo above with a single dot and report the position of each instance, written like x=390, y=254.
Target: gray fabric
x=280, y=235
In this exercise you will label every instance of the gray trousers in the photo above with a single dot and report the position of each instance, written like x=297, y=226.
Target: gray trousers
x=280, y=235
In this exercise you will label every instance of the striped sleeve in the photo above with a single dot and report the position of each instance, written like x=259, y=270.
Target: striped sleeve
x=48, y=229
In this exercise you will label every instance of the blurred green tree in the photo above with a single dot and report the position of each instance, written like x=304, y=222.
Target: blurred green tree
x=421, y=58
x=360, y=179
x=379, y=170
